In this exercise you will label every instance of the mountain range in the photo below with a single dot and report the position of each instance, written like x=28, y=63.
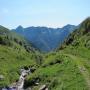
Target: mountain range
x=67, y=67
x=44, y=38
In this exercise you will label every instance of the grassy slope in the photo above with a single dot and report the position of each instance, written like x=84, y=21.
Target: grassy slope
x=65, y=75
x=84, y=71
x=10, y=62
x=15, y=53
x=73, y=70
x=66, y=69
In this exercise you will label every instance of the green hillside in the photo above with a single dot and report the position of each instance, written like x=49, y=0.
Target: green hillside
x=15, y=52
x=67, y=68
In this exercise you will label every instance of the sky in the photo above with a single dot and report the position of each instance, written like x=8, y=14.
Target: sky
x=50, y=13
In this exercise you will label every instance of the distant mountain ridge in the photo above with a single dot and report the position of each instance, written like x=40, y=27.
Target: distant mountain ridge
x=67, y=68
x=44, y=38
x=15, y=52
x=12, y=39
x=80, y=37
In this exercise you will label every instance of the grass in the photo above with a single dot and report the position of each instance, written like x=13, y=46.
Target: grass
x=11, y=60
x=66, y=69
x=63, y=76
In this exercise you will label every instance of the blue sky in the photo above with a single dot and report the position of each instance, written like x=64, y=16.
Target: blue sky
x=51, y=13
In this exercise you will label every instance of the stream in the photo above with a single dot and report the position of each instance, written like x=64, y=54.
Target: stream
x=20, y=83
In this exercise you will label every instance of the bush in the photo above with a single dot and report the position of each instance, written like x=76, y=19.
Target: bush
x=53, y=83
x=87, y=45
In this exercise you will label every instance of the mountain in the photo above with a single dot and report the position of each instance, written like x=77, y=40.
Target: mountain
x=80, y=37
x=15, y=52
x=46, y=39
x=8, y=37
x=67, y=68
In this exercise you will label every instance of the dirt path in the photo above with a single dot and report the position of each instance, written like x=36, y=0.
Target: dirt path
x=82, y=68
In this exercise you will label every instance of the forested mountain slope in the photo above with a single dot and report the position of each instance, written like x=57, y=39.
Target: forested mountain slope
x=44, y=38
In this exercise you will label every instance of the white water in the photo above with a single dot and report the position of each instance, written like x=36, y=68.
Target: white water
x=19, y=85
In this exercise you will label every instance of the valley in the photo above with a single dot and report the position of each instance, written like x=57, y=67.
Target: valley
x=44, y=38
x=64, y=67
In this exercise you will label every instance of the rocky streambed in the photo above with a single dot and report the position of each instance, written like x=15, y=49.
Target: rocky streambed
x=19, y=85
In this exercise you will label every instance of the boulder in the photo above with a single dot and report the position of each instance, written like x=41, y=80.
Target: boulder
x=1, y=77
x=43, y=87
